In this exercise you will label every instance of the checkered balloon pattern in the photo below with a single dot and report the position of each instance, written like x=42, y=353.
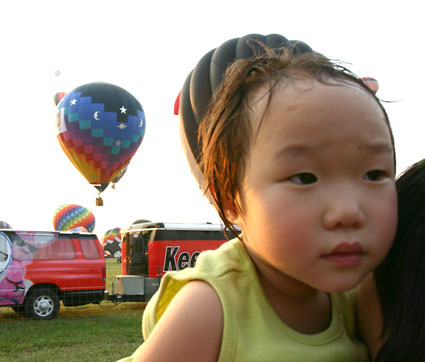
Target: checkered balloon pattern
x=100, y=127
x=71, y=217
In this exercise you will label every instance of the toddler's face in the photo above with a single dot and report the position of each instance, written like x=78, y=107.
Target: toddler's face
x=319, y=204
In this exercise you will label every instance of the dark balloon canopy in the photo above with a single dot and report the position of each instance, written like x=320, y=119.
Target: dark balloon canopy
x=140, y=221
x=192, y=101
x=100, y=127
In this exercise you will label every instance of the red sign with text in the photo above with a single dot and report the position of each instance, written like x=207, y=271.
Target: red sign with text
x=167, y=255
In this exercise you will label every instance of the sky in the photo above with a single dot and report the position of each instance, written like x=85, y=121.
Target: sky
x=149, y=48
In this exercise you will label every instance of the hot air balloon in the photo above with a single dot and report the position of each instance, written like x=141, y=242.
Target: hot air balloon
x=192, y=101
x=119, y=176
x=140, y=221
x=79, y=229
x=71, y=216
x=58, y=96
x=111, y=242
x=100, y=127
x=371, y=83
x=4, y=225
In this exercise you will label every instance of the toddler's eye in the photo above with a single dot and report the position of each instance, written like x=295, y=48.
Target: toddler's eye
x=375, y=175
x=303, y=178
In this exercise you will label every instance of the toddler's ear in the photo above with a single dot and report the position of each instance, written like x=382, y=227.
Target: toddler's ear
x=229, y=207
x=231, y=214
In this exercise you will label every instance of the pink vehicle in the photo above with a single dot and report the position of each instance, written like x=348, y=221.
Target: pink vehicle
x=39, y=269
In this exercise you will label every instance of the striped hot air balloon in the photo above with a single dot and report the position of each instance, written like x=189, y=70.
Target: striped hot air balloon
x=111, y=242
x=71, y=216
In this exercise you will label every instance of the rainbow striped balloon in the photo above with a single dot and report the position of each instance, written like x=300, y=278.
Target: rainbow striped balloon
x=112, y=243
x=111, y=235
x=72, y=216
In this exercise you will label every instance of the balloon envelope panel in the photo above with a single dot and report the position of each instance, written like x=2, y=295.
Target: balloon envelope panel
x=4, y=225
x=112, y=242
x=100, y=127
x=111, y=235
x=58, y=96
x=372, y=83
x=79, y=229
x=71, y=216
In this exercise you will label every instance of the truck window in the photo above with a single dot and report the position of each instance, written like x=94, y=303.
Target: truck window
x=5, y=252
x=60, y=249
x=88, y=246
x=163, y=235
x=137, y=251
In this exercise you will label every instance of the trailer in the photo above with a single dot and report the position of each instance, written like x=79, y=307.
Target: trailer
x=150, y=249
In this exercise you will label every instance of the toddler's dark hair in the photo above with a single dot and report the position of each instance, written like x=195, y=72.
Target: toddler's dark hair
x=225, y=133
x=400, y=278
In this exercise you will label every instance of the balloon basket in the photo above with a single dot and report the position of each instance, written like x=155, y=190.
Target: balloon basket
x=99, y=201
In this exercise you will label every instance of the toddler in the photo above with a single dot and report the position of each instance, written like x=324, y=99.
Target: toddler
x=298, y=153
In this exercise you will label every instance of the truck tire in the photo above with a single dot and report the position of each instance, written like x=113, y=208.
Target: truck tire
x=42, y=303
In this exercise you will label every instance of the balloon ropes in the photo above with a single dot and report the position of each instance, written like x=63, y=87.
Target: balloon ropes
x=100, y=127
x=200, y=84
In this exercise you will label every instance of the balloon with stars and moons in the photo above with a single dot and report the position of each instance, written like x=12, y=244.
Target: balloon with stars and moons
x=100, y=127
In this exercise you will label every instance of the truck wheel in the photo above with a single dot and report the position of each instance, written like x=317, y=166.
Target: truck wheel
x=42, y=304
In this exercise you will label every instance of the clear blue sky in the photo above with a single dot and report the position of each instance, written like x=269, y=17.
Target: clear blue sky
x=149, y=48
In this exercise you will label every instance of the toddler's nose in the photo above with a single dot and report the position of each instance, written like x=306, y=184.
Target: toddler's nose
x=343, y=211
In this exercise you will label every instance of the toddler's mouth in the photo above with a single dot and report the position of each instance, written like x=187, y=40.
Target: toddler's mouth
x=346, y=253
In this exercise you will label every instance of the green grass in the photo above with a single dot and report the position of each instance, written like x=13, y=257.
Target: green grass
x=112, y=269
x=104, y=332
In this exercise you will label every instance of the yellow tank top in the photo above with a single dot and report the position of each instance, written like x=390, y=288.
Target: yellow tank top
x=252, y=330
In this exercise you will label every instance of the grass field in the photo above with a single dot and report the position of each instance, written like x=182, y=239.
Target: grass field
x=104, y=332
